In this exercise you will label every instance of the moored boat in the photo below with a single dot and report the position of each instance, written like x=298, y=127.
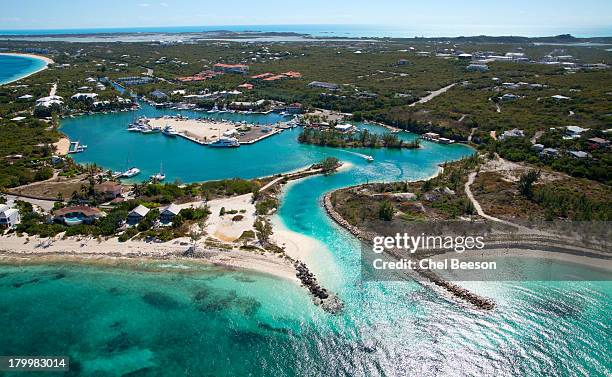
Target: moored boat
x=225, y=142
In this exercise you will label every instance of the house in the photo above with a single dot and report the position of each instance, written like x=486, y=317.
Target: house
x=167, y=215
x=246, y=86
x=477, y=67
x=109, y=189
x=597, y=142
x=137, y=214
x=84, y=96
x=9, y=217
x=292, y=74
x=537, y=147
x=512, y=133
x=262, y=76
x=559, y=97
x=402, y=62
x=294, y=108
x=579, y=154
x=49, y=101
x=158, y=94
x=324, y=85
x=430, y=136
x=575, y=131
x=26, y=96
x=464, y=56
x=508, y=97
x=549, y=152
x=231, y=68
x=76, y=215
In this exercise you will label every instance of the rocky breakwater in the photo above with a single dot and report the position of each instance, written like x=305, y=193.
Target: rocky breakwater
x=457, y=291
x=328, y=301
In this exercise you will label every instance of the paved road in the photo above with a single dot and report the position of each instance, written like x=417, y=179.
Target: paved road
x=432, y=95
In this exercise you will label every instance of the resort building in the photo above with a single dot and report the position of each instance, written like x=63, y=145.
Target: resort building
x=137, y=214
x=167, y=215
x=231, y=68
x=9, y=217
x=76, y=215
x=324, y=85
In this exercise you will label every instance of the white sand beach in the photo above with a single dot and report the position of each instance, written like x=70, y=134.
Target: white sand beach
x=204, y=130
x=62, y=146
x=91, y=250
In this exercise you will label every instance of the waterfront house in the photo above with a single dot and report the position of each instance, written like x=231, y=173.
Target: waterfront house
x=137, y=214
x=9, y=217
x=167, y=215
x=431, y=136
x=231, y=68
x=324, y=85
x=75, y=215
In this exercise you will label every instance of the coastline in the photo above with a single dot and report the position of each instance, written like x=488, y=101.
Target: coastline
x=86, y=250
x=45, y=59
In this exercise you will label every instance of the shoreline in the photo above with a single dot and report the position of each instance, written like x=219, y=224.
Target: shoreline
x=88, y=250
x=45, y=59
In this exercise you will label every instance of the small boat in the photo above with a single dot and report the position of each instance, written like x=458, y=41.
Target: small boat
x=225, y=142
x=169, y=131
x=215, y=109
x=131, y=172
x=368, y=158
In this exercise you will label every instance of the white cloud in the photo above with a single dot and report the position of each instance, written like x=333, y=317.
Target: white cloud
x=164, y=5
x=144, y=5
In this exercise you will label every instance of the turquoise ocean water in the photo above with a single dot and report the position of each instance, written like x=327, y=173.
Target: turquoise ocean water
x=15, y=67
x=178, y=319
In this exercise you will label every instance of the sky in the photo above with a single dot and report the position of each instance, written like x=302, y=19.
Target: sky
x=517, y=17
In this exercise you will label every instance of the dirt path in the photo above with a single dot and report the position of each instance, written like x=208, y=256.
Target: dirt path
x=432, y=95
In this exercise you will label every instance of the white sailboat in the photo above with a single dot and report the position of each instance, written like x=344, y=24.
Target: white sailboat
x=159, y=176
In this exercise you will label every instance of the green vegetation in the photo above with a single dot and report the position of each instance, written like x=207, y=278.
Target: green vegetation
x=362, y=139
